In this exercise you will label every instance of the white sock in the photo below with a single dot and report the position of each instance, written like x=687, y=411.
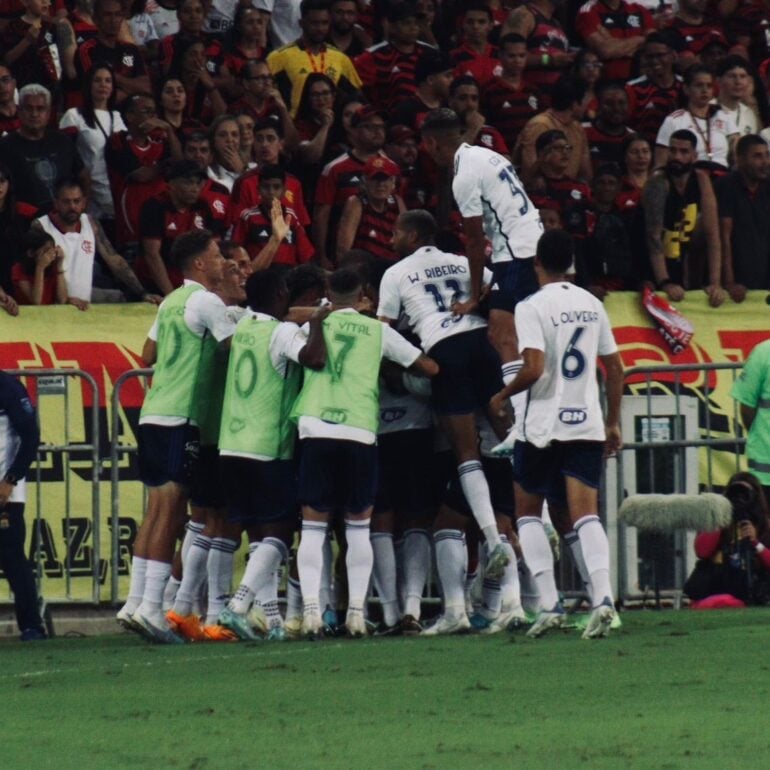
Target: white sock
x=510, y=591
x=136, y=586
x=384, y=575
x=169, y=593
x=452, y=565
x=491, y=596
x=476, y=491
x=573, y=542
x=596, y=552
x=359, y=561
x=398, y=550
x=530, y=596
x=220, y=569
x=326, y=591
x=416, y=568
x=293, y=599
x=259, y=578
x=519, y=401
x=310, y=560
x=469, y=588
x=191, y=531
x=539, y=557
x=193, y=575
x=158, y=573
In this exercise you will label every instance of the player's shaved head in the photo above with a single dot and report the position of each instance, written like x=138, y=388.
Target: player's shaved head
x=345, y=286
x=442, y=122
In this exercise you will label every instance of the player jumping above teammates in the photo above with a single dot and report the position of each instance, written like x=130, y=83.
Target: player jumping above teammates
x=425, y=285
x=338, y=412
x=256, y=439
x=168, y=432
x=494, y=206
x=562, y=330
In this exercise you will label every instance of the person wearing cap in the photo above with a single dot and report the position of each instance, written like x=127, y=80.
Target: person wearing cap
x=341, y=177
x=388, y=68
x=402, y=146
x=433, y=74
x=177, y=210
x=291, y=64
x=369, y=217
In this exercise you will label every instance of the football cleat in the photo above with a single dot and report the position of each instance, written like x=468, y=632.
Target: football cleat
x=330, y=622
x=217, y=633
x=257, y=619
x=444, y=626
x=356, y=625
x=277, y=634
x=505, y=621
x=505, y=447
x=238, y=624
x=381, y=629
x=410, y=626
x=188, y=626
x=312, y=627
x=600, y=622
x=125, y=620
x=293, y=627
x=157, y=629
x=547, y=620
x=497, y=561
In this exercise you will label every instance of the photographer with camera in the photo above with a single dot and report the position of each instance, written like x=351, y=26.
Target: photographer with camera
x=736, y=560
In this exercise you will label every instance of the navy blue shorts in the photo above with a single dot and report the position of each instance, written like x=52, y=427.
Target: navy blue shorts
x=258, y=491
x=206, y=483
x=499, y=475
x=513, y=282
x=337, y=476
x=542, y=471
x=469, y=373
x=167, y=454
x=404, y=469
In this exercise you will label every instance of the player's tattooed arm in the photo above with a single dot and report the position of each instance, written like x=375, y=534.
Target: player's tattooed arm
x=654, y=202
x=67, y=45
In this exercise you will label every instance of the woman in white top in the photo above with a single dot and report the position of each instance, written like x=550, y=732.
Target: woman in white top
x=94, y=123
x=714, y=129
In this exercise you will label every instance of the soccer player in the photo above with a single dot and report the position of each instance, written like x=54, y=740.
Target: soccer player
x=560, y=444
x=257, y=439
x=168, y=432
x=493, y=205
x=338, y=413
x=425, y=285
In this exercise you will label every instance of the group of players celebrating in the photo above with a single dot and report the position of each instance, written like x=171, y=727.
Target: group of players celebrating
x=380, y=413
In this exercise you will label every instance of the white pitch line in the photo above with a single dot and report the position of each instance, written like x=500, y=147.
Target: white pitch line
x=163, y=661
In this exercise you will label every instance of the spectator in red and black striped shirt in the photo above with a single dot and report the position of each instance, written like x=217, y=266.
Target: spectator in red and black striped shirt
x=691, y=31
x=548, y=54
x=369, y=217
x=608, y=132
x=341, y=178
x=657, y=93
x=509, y=100
x=125, y=58
x=615, y=29
x=387, y=69
x=433, y=75
x=464, y=98
x=476, y=56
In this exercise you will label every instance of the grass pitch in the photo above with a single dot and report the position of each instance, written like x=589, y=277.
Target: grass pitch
x=669, y=690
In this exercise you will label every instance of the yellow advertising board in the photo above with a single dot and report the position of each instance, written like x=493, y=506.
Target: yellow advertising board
x=105, y=342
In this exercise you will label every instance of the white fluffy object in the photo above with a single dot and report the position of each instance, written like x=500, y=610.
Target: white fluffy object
x=667, y=513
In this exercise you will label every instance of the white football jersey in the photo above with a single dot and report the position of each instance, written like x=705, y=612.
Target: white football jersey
x=485, y=185
x=571, y=327
x=423, y=286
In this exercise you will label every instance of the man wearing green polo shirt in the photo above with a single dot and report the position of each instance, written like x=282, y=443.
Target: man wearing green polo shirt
x=338, y=415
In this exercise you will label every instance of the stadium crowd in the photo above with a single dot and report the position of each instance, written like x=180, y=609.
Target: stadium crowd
x=303, y=141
